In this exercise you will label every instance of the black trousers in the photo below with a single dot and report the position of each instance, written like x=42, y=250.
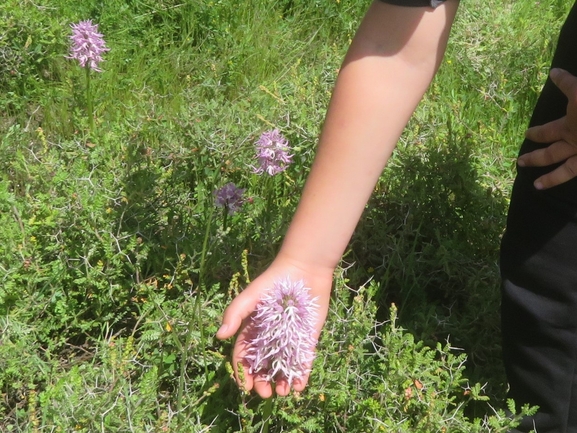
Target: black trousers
x=539, y=274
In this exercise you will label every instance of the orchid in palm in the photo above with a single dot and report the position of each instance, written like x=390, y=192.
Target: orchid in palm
x=282, y=332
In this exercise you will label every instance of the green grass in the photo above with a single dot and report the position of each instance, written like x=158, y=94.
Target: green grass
x=115, y=266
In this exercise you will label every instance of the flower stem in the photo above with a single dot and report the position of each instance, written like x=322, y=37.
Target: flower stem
x=269, y=194
x=267, y=414
x=89, y=106
x=224, y=218
x=205, y=247
x=191, y=325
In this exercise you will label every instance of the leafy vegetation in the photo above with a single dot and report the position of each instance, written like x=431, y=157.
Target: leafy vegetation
x=115, y=264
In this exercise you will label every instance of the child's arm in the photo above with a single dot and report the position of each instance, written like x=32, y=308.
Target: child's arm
x=388, y=67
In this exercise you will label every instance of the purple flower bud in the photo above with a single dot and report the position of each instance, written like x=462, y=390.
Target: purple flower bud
x=229, y=197
x=282, y=342
x=272, y=152
x=87, y=44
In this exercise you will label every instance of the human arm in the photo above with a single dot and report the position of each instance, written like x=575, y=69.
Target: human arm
x=388, y=67
x=561, y=133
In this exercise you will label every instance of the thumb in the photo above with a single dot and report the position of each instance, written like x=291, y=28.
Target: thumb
x=239, y=309
x=565, y=81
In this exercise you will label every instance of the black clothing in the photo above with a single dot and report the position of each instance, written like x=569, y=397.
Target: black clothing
x=539, y=271
x=431, y=3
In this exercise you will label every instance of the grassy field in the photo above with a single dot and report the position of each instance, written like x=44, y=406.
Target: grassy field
x=115, y=263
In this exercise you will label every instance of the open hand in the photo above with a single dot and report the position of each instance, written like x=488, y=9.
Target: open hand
x=237, y=316
x=561, y=133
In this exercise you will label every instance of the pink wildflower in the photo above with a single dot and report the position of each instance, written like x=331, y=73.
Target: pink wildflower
x=229, y=197
x=87, y=44
x=283, y=329
x=272, y=152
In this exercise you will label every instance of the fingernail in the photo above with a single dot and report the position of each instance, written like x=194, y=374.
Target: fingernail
x=538, y=185
x=554, y=72
x=222, y=330
x=521, y=163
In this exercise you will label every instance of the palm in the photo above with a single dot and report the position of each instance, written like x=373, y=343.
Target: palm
x=238, y=315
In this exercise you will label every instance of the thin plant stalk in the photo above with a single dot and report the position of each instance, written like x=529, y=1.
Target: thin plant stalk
x=270, y=196
x=181, y=379
x=267, y=414
x=89, y=102
x=205, y=247
x=200, y=285
x=224, y=218
x=197, y=310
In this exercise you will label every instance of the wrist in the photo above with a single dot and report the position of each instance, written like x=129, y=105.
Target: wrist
x=300, y=265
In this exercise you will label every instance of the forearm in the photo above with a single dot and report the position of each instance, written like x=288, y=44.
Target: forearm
x=389, y=66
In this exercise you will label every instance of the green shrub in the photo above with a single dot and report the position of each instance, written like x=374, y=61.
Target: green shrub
x=115, y=265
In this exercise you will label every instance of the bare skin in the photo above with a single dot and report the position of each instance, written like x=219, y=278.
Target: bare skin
x=388, y=67
x=391, y=62
x=561, y=133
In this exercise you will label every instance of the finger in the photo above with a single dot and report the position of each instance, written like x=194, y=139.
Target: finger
x=282, y=387
x=300, y=384
x=263, y=387
x=244, y=379
x=239, y=309
x=565, y=81
x=547, y=133
x=556, y=152
x=558, y=176
x=242, y=373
